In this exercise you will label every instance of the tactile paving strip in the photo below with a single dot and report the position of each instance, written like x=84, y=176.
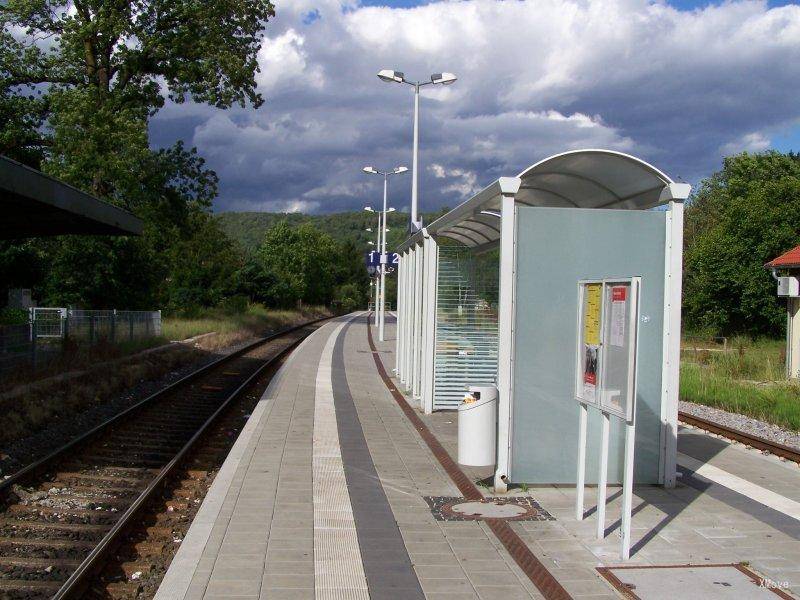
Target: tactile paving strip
x=338, y=568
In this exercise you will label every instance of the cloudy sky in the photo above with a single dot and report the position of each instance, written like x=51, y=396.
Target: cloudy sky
x=680, y=84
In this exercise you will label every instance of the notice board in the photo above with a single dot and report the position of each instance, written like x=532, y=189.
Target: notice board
x=606, y=349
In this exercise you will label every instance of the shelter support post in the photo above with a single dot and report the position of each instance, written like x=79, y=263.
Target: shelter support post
x=430, y=289
x=505, y=326
x=409, y=327
x=670, y=379
x=417, y=322
x=398, y=347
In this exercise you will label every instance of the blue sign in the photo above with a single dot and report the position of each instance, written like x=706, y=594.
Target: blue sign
x=373, y=259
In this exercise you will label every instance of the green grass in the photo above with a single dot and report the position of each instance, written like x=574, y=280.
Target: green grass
x=255, y=320
x=746, y=378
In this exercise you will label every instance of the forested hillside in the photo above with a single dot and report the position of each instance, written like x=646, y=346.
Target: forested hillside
x=249, y=228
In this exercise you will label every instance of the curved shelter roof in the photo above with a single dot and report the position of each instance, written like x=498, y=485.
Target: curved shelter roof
x=576, y=179
x=33, y=204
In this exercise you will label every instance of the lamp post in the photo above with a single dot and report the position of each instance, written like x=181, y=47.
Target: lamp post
x=398, y=77
x=377, y=245
x=382, y=240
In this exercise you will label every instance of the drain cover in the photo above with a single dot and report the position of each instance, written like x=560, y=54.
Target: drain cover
x=523, y=508
x=488, y=510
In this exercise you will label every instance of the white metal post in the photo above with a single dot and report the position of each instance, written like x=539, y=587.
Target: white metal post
x=412, y=268
x=505, y=330
x=602, y=479
x=670, y=375
x=429, y=347
x=382, y=235
x=416, y=364
x=398, y=338
x=377, y=288
x=581, y=477
x=627, y=490
x=414, y=160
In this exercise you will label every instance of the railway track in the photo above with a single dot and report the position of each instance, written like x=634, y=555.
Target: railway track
x=747, y=439
x=61, y=516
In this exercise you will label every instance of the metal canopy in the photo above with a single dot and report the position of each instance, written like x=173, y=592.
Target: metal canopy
x=576, y=179
x=36, y=205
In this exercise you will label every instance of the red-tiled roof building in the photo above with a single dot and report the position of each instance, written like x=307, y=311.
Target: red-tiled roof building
x=786, y=260
x=787, y=288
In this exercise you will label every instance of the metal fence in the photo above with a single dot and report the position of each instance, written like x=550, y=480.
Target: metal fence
x=44, y=337
x=111, y=325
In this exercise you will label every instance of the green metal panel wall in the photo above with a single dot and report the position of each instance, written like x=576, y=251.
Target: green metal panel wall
x=555, y=249
x=466, y=323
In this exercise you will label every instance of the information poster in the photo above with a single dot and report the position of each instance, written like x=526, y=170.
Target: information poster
x=619, y=295
x=592, y=312
x=606, y=352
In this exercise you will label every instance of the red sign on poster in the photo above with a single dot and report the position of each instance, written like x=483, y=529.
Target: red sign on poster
x=618, y=293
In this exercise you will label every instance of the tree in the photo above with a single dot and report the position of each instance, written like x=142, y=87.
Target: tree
x=303, y=264
x=79, y=80
x=203, y=267
x=102, y=65
x=740, y=218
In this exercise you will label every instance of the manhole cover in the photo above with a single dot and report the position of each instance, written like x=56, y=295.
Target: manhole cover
x=488, y=510
x=521, y=508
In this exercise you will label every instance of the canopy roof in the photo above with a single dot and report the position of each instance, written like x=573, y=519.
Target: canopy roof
x=33, y=204
x=575, y=179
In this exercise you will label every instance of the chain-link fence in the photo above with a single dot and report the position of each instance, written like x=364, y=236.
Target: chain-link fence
x=44, y=337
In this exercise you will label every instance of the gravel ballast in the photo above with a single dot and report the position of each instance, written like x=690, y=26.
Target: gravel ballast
x=743, y=423
x=30, y=448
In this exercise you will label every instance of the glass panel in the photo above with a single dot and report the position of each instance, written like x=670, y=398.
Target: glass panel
x=466, y=322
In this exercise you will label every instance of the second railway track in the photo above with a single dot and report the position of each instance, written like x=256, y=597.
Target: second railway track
x=748, y=439
x=61, y=516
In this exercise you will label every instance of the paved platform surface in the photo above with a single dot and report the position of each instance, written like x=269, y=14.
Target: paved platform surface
x=323, y=496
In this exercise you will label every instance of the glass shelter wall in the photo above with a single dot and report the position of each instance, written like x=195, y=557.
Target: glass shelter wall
x=466, y=337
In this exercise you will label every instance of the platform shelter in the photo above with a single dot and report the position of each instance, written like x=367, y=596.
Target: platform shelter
x=577, y=217
x=34, y=204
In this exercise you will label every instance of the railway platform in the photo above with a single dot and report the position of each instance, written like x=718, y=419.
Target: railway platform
x=337, y=488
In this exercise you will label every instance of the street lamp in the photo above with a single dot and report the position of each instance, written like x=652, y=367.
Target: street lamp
x=398, y=77
x=382, y=240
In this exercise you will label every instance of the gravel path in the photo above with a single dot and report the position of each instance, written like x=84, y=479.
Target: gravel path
x=743, y=423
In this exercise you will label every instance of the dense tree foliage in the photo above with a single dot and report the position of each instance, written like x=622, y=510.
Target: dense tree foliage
x=740, y=218
x=302, y=264
x=79, y=80
x=248, y=228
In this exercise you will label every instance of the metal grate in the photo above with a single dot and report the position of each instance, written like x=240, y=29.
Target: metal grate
x=466, y=323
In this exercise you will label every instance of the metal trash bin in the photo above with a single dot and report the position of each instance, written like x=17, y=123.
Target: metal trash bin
x=477, y=427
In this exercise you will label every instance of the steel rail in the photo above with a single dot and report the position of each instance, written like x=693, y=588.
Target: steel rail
x=6, y=484
x=78, y=579
x=737, y=435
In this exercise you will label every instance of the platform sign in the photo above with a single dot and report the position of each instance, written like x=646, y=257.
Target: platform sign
x=374, y=259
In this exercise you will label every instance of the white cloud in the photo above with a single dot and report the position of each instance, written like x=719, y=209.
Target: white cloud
x=465, y=183
x=679, y=88
x=751, y=142
x=283, y=63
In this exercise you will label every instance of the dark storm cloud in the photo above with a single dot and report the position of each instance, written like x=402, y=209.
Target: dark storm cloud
x=680, y=89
